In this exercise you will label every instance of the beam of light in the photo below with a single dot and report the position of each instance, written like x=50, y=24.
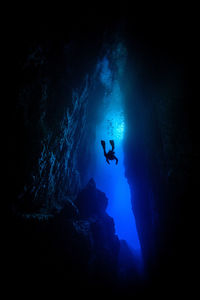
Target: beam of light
x=111, y=178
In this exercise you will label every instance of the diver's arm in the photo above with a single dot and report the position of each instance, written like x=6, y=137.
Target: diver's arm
x=107, y=160
x=116, y=159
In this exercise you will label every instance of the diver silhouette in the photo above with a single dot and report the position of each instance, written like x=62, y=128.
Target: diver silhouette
x=111, y=154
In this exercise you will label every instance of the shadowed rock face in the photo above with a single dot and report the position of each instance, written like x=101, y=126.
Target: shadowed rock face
x=92, y=204
x=77, y=246
x=91, y=201
x=159, y=156
x=55, y=78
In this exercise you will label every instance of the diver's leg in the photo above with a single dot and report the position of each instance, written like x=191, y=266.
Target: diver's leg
x=116, y=159
x=107, y=160
x=104, y=147
x=112, y=144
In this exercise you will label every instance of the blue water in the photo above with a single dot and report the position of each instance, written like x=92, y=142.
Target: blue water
x=111, y=178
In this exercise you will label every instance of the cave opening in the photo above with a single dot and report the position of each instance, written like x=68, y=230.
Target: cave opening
x=110, y=178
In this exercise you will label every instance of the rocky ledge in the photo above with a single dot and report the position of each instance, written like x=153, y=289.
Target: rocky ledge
x=76, y=246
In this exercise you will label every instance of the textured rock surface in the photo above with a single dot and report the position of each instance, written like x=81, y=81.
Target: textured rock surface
x=50, y=123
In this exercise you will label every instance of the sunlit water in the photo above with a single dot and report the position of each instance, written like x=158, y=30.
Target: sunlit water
x=111, y=178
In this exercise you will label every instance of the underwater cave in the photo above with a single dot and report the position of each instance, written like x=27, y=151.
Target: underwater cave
x=76, y=220
x=111, y=178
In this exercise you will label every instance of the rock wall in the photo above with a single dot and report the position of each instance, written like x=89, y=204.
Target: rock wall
x=49, y=125
x=76, y=248
x=56, y=108
x=159, y=154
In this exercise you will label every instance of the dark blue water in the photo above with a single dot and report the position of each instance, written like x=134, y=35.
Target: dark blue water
x=111, y=178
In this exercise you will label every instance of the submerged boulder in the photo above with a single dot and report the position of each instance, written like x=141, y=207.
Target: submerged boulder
x=92, y=204
x=76, y=246
x=91, y=201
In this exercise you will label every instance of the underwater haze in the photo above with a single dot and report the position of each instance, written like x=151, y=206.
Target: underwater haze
x=110, y=178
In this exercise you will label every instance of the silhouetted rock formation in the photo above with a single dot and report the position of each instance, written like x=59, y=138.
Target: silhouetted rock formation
x=91, y=201
x=159, y=156
x=92, y=205
x=77, y=245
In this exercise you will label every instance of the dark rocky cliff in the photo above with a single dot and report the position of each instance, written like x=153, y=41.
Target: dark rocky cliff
x=51, y=237
x=75, y=248
x=161, y=152
x=50, y=122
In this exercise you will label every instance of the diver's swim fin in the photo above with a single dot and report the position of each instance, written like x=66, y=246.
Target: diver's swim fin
x=103, y=145
x=112, y=144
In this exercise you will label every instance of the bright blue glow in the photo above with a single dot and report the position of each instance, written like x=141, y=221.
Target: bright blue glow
x=111, y=178
x=105, y=75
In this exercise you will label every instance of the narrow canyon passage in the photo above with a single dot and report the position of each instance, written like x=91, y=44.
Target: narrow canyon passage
x=110, y=178
x=87, y=78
